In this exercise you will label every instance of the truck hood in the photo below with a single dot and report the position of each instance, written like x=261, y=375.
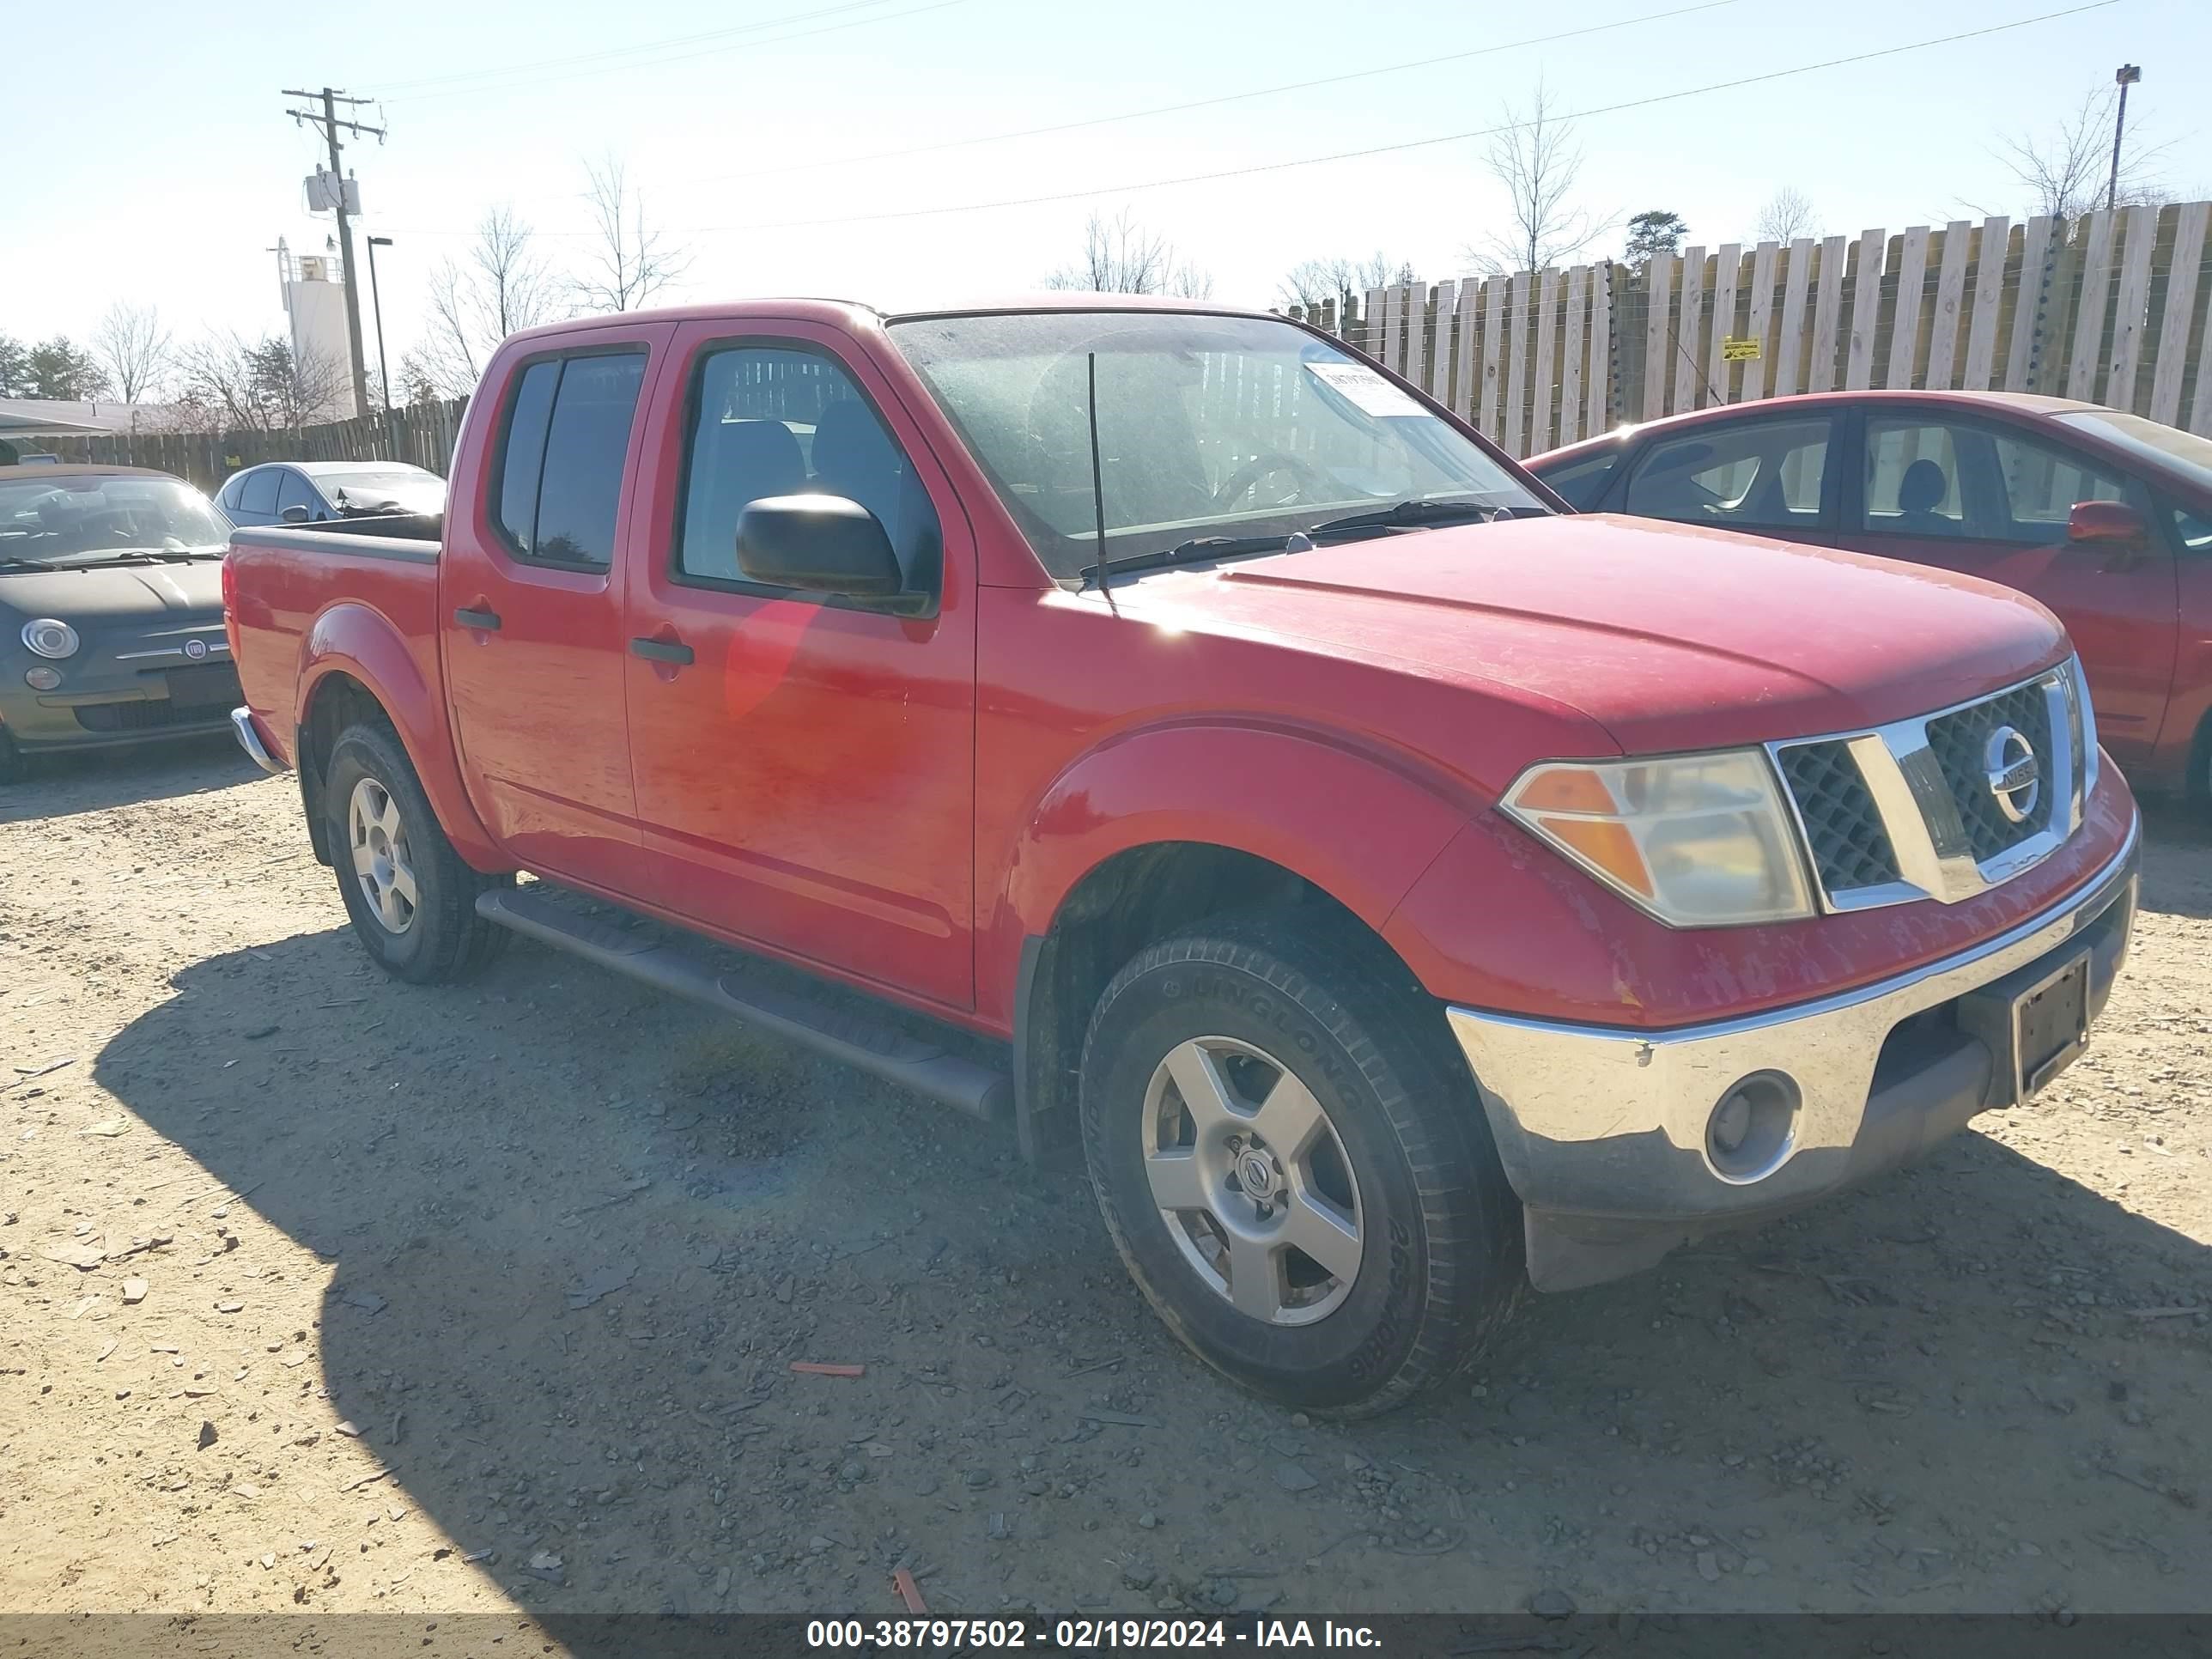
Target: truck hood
x=1669, y=636
x=108, y=593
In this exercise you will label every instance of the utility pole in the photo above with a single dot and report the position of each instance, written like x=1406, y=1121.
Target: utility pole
x=383, y=375
x=2127, y=75
x=327, y=122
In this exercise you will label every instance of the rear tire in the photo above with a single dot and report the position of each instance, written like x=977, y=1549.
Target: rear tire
x=410, y=898
x=1329, y=1113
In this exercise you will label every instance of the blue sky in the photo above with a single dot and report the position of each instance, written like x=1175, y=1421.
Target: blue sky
x=162, y=177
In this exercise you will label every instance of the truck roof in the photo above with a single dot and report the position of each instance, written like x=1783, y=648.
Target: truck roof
x=820, y=308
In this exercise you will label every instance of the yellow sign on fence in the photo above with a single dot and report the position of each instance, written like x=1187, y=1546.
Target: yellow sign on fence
x=1738, y=351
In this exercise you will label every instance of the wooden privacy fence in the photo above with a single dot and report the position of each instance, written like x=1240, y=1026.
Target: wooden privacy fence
x=422, y=433
x=2110, y=308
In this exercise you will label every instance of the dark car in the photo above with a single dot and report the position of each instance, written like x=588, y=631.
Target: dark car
x=2105, y=517
x=310, y=492
x=111, y=611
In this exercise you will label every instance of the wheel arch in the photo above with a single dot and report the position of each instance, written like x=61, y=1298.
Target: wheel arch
x=357, y=666
x=1133, y=899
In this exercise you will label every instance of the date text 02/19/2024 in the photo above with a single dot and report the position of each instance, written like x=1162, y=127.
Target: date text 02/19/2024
x=1086, y=1634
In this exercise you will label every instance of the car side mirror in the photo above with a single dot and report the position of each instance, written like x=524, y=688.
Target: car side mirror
x=818, y=545
x=2113, y=528
x=295, y=515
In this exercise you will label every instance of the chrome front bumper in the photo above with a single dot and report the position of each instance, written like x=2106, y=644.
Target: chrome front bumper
x=1603, y=1130
x=249, y=739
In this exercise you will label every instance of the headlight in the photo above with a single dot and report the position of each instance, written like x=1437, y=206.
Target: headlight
x=1700, y=841
x=50, y=638
x=2084, y=729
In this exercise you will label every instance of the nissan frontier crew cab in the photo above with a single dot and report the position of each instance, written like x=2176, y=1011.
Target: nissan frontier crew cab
x=1158, y=726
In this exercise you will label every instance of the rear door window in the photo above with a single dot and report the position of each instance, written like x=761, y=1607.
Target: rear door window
x=1761, y=475
x=563, y=455
x=1915, y=484
x=257, y=496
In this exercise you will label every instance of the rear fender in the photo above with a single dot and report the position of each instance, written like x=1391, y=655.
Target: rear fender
x=360, y=641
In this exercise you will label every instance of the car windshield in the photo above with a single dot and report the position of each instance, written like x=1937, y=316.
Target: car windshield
x=2168, y=446
x=71, y=519
x=363, y=492
x=1238, y=426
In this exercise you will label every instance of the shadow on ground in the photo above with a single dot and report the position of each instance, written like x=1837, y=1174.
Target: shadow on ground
x=94, y=780
x=578, y=1233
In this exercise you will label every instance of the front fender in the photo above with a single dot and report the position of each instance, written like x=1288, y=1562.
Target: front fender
x=1359, y=824
x=356, y=639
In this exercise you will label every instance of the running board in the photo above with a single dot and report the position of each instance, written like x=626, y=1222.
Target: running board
x=878, y=1047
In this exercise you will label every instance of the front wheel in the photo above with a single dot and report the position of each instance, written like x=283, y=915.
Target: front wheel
x=1296, y=1172
x=410, y=898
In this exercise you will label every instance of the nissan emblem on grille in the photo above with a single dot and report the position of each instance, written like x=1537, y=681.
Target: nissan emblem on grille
x=2015, y=776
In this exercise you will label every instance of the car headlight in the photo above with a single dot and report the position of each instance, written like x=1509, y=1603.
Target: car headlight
x=50, y=638
x=1698, y=841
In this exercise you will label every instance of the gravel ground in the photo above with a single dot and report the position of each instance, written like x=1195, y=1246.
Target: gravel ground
x=318, y=1291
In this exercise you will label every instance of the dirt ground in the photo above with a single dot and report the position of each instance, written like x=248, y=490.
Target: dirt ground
x=321, y=1291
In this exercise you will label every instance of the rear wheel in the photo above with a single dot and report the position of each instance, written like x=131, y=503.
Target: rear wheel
x=1296, y=1173
x=408, y=895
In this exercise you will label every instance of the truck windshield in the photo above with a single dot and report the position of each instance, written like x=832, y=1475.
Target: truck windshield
x=1235, y=427
x=74, y=518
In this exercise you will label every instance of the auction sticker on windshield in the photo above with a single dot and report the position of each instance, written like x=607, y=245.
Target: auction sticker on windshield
x=1368, y=392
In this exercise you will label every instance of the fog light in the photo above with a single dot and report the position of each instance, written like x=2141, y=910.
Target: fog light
x=1751, y=1128
x=42, y=679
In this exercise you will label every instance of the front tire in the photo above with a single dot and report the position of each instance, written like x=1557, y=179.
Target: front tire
x=1295, y=1167
x=408, y=895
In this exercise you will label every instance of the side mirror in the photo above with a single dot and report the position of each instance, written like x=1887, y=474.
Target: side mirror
x=818, y=544
x=2113, y=528
x=295, y=515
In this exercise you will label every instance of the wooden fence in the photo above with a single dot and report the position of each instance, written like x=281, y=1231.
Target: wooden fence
x=422, y=433
x=2110, y=308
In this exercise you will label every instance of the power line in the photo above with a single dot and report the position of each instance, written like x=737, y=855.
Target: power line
x=1406, y=144
x=1213, y=102
x=1369, y=150
x=512, y=77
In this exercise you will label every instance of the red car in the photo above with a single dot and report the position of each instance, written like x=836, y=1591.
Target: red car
x=1174, y=735
x=2105, y=517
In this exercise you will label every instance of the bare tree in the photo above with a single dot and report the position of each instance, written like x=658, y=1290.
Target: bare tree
x=2066, y=168
x=133, y=345
x=500, y=285
x=1345, y=281
x=1787, y=216
x=1535, y=157
x=231, y=383
x=632, y=261
x=1121, y=256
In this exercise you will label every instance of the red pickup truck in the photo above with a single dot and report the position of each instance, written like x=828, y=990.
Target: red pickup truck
x=1159, y=725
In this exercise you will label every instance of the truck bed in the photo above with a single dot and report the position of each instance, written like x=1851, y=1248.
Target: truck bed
x=367, y=587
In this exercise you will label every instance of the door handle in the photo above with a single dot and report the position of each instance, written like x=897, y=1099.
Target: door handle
x=486, y=620
x=673, y=651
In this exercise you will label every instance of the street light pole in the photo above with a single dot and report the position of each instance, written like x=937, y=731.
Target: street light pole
x=2128, y=74
x=383, y=375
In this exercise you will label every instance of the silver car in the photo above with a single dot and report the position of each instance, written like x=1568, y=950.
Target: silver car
x=313, y=492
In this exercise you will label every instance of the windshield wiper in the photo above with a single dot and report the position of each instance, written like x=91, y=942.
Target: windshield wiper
x=16, y=561
x=1196, y=550
x=1411, y=515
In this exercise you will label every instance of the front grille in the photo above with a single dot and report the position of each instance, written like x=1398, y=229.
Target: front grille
x=145, y=716
x=1908, y=810
x=1961, y=740
x=1844, y=828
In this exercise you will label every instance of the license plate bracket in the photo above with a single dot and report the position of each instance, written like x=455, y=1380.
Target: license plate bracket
x=2050, y=1025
